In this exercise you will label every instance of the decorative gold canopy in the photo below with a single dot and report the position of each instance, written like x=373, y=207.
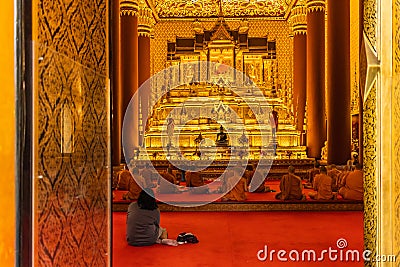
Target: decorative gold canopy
x=273, y=9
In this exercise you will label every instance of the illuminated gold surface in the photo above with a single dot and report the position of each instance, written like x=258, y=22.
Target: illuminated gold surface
x=7, y=140
x=354, y=56
x=381, y=120
x=275, y=30
x=287, y=136
x=371, y=21
x=71, y=134
x=145, y=21
x=316, y=5
x=129, y=7
x=298, y=19
x=396, y=126
x=370, y=169
x=210, y=8
x=370, y=127
x=388, y=211
x=259, y=66
x=7, y=145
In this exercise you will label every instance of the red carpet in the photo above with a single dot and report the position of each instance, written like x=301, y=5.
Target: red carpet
x=234, y=238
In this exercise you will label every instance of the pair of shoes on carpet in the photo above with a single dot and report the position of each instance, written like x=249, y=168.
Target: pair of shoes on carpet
x=184, y=238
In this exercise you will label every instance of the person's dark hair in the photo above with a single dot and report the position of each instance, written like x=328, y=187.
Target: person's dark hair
x=146, y=200
x=250, y=167
x=323, y=169
x=291, y=169
x=316, y=164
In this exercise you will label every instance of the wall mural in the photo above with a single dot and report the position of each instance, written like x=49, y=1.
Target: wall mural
x=72, y=114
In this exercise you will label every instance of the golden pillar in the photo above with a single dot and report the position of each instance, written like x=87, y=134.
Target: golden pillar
x=116, y=84
x=362, y=64
x=316, y=124
x=338, y=78
x=129, y=66
x=146, y=23
x=299, y=25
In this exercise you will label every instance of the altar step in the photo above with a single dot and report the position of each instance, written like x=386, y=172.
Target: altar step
x=260, y=206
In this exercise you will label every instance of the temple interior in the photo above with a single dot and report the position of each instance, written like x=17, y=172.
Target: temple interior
x=230, y=107
x=259, y=75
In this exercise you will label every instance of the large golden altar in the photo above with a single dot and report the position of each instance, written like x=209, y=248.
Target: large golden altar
x=195, y=125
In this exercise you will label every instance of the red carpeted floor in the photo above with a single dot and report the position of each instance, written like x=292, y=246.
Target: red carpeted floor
x=234, y=238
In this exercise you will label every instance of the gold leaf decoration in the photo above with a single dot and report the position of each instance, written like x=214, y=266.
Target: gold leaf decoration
x=370, y=175
x=277, y=30
x=396, y=123
x=211, y=8
x=71, y=201
x=371, y=21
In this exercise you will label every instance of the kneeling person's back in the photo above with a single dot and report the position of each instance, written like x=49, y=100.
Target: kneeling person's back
x=291, y=186
x=143, y=220
x=142, y=226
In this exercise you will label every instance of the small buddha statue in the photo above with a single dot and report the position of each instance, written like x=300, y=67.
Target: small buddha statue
x=222, y=138
x=243, y=140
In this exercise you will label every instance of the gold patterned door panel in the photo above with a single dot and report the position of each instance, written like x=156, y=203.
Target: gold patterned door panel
x=71, y=204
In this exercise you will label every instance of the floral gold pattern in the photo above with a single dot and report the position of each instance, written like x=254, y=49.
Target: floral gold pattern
x=371, y=21
x=370, y=165
x=210, y=8
x=315, y=5
x=277, y=30
x=298, y=19
x=129, y=7
x=145, y=22
x=72, y=129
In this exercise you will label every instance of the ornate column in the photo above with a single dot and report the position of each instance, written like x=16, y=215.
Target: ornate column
x=361, y=84
x=129, y=63
x=299, y=25
x=316, y=124
x=145, y=25
x=339, y=121
x=116, y=84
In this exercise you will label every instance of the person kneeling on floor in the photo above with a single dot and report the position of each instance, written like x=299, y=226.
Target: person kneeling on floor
x=143, y=222
x=236, y=185
x=291, y=187
x=322, y=186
